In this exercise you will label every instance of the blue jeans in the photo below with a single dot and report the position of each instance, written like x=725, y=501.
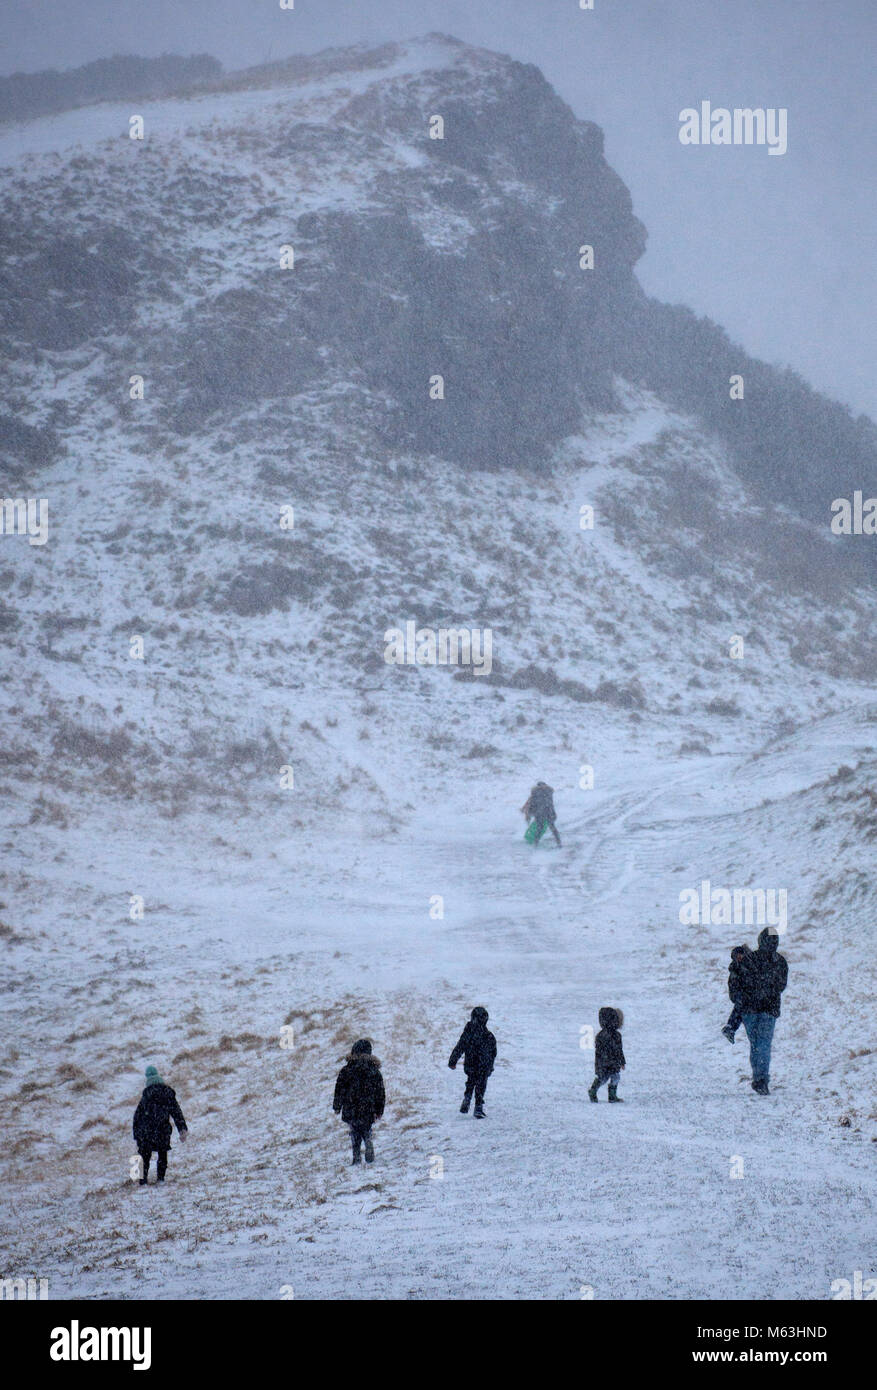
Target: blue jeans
x=613, y=1077
x=759, y=1031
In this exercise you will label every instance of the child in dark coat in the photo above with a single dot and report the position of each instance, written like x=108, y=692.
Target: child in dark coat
x=359, y=1097
x=735, y=990
x=152, y=1123
x=608, y=1054
x=477, y=1047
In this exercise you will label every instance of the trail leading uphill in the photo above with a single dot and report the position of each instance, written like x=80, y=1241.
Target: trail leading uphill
x=550, y=1195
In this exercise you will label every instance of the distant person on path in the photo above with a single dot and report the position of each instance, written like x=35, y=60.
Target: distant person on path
x=764, y=974
x=608, y=1055
x=735, y=991
x=540, y=812
x=152, y=1123
x=477, y=1047
x=359, y=1097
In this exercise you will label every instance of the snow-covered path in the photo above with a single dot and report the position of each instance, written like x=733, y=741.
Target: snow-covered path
x=550, y=1195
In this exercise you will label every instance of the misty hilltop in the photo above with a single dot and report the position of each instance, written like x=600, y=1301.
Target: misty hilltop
x=249, y=309
x=414, y=256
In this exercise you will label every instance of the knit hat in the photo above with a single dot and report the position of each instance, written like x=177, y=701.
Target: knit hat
x=361, y=1048
x=152, y=1077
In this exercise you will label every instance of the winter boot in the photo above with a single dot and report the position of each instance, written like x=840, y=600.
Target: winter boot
x=614, y=1096
x=143, y=1182
x=760, y=1088
x=369, y=1151
x=464, y=1108
x=592, y=1092
x=478, y=1112
x=728, y=1033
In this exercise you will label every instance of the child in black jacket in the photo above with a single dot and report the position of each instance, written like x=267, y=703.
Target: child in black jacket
x=360, y=1097
x=477, y=1047
x=608, y=1054
x=735, y=990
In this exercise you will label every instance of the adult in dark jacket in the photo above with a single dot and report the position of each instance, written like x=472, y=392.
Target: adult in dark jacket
x=539, y=807
x=359, y=1097
x=152, y=1123
x=608, y=1054
x=763, y=977
x=477, y=1047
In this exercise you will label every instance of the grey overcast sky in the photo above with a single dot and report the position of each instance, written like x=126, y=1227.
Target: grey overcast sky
x=777, y=249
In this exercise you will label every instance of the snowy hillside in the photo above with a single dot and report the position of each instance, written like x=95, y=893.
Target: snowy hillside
x=269, y=906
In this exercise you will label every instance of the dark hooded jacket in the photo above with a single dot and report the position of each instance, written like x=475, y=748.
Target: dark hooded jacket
x=359, y=1089
x=763, y=977
x=152, y=1118
x=608, y=1052
x=477, y=1046
x=735, y=974
x=540, y=803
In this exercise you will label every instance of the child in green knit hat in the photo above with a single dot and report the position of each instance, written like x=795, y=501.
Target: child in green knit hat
x=152, y=1123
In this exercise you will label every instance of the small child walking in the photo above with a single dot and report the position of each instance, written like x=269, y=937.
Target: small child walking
x=152, y=1123
x=359, y=1097
x=608, y=1054
x=477, y=1047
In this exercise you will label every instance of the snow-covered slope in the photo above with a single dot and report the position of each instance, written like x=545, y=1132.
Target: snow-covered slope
x=333, y=938
x=268, y=907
